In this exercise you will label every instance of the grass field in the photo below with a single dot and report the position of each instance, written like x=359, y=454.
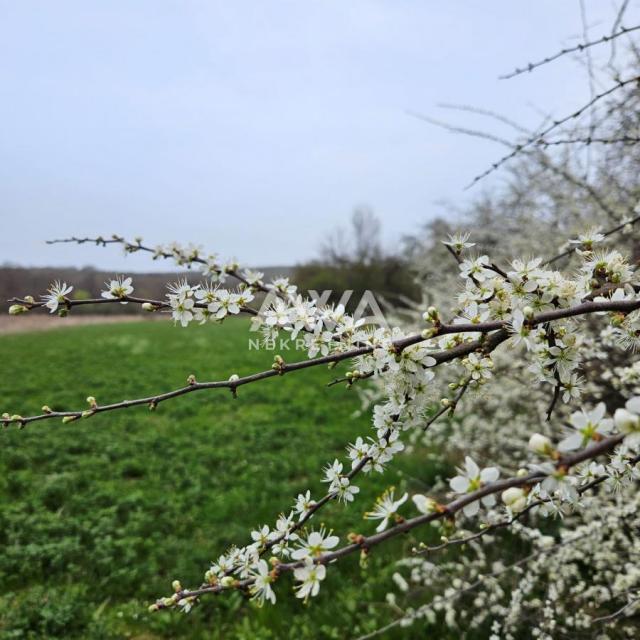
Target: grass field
x=98, y=517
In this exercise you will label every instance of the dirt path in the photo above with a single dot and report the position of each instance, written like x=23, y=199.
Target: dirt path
x=32, y=322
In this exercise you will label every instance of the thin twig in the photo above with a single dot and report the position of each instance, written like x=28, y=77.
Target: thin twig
x=606, y=234
x=563, y=52
x=619, y=84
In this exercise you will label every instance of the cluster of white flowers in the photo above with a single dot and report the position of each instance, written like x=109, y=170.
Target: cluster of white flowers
x=205, y=301
x=476, y=592
x=562, y=587
x=339, y=483
x=493, y=589
x=191, y=255
x=246, y=562
x=194, y=256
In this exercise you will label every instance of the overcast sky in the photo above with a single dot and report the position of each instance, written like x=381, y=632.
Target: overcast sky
x=253, y=127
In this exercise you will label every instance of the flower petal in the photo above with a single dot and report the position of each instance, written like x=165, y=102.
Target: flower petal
x=633, y=405
x=459, y=484
x=574, y=441
x=471, y=467
x=471, y=509
x=490, y=474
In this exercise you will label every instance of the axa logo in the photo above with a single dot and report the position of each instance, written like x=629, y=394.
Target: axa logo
x=367, y=308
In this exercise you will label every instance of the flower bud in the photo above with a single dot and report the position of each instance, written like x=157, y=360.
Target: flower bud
x=17, y=309
x=46, y=408
x=92, y=401
x=528, y=313
x=364, y=558
x=540, y=444
x=176, y=586
x=29, y=299
x=425, y=504
x=626, y=421
x=278, y=364
x=147, y=306
x=518, y=505
x=514, y=498
x=227, y=581
x=234, y=378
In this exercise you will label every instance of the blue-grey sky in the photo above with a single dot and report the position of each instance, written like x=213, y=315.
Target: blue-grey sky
x=253, y=127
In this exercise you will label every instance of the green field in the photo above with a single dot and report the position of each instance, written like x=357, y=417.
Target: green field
x=97, y=517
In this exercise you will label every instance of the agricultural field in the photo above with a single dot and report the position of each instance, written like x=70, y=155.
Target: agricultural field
x=97, y=517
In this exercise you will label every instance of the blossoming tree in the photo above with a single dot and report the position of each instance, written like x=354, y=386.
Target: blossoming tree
x=517, y=348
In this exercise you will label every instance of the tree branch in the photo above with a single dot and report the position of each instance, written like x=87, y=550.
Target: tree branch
x=497, y=331
x=365, y=543
x=563, y=52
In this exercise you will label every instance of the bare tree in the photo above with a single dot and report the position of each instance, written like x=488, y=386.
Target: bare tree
x=361, y=246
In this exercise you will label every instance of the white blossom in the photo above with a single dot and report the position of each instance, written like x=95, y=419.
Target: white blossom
x=309, y=576
x=118, y=288
x=385, y=508
x=475, y=268
x=588, y=425
x=459, y=241
x=316, y=544
x=472, y=478
x=261, y=587
x=303, y=504
x=56, y=294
